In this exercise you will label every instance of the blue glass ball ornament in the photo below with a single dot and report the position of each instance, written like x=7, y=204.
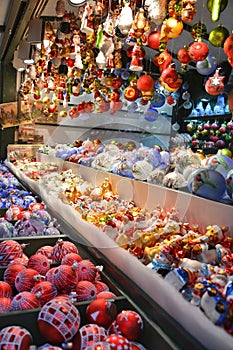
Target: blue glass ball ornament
x=158, y=100
x=207, y=66
x=132, y=107
x=151, y=114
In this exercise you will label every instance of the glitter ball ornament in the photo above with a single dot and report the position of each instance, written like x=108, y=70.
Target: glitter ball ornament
x=129, y=324
x=15, y=337
x=5, y=304
x=71, y=258
x=5, y=290
x=45, y=250
x=44, y=291
x=101, y=312
x=24, y=301
x=106, y=295
x=61, y=249
x=58, y=321
x=88, y=335
x=64, y=278
x=86, y=270
x=85, y=290
x=40, y=263
x=101, y=286
x=11, y=272
x=26, y=279
x=118, y=342
x=9, y=250
x=49, y=274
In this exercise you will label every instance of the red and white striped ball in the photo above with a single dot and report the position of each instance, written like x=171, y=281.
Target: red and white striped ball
x=58, y=321
x=64, y=278
x=61, y=249
x=24, y=301
x=86, y=270
x=101, y=286
x=129, y=324
x=45, y=250
x=106, y=295
x=40, y=263
x=5, y=304
x=9, y=250
x=22, y=260
x=11, y=273
x=44, y=291
x=26, y=279
x=49, y=274
x=15, y=337
x=118, y=342
x=85, y=290
x=87, y=335
x=5, y=290
x=71, y=259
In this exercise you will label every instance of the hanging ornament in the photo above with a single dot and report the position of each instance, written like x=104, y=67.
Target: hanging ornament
x=198, y=31
x=153, y=39
x=207, y=66
x=198, y=50
x=125, y=19
x=183, y=57
x=131, y=92
x=87, y=20
x=140, y=24
x=215, y=84
x=60, y=8
x=172, y=27
x=171, y=79
x=156, y=10
x=215, y=7
x=188, y=10
x=163, y=60
x=228, y=48
x=145, y=83
x=218, y=35
x=137, y=57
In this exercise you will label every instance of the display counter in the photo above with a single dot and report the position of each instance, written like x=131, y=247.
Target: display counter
x=184, y=324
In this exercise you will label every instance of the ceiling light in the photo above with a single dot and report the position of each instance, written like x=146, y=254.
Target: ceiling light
x=76, y=2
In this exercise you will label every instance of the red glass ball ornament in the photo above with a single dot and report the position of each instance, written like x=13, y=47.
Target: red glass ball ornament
x=61, y=249
x=198, y=51
x=101, y=312
x=15, y=337
x=86, y=270
x=11, y=273
x=64, y=278
x=23, y=260
x=71, y=259
x=44, y=291
x=58, y=321
x=131, y=93
x=5, y=290
x=49, y=274
x=26, y=279
x=9, y=250
x=5, y=304
x=101, y=286
x=24, y=301
x=106, y=295
x=129, y=324
x=118, y=342
x=163, y=60
x=89, y=335
x=45, y=250
x=153, y=39
x=100, y=345
x=183, y=55
x=170, y=79
x=145, y=83
x=137, y=346
x=85, y=290
x=40, y=263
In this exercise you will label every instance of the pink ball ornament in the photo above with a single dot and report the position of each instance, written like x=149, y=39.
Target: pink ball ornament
x=9, y=250
x=61, y=249
x=129, y=324
x=89, y=335
x=5, y=290
x=5, y=304
x=86, y=270
x=11, y=272
x=24, y=301
x=15, y=337
x=64, y=278
x=26, y=279
x=58, y=321
x=71, y=258
x=44, y=291
x=40, y=263
x=85, y=290
x=118, y=342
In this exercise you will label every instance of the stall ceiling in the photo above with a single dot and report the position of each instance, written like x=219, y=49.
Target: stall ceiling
x=15, y=14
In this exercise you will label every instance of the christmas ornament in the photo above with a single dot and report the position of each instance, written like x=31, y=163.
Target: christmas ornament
x=125, y=19
x=40, y=263
x=9, y=250
x=89, y=335
x=63, y=248
x=86, y=270
x=215, y=7
x=85, y=290
x=5, y=290
x=131, y=92
x=228, y=47
x=218, y=35
x=198, y=50
x=156, y=10
x=44, y=291
x=11, y=272
x=106, y=295
x=137, y=57
x=101, y=312
x=145, y=83
x=198, y=31
x=100, y=286
x=5, y=304
x=183, y=57
x=58, y=321
x=163, y=60
x=170, y=79
x=140, y=24
x=71, y=259
x=64, y=278
x=207, y=66
x=188, y=10
x=15, y=337
x=118, y=341
x=129, y=324
x=46, y=251
x=153, y=39
x=171, y=28
x=215, y=84
x=100, y=345
x=24, y=301
x=26, y=279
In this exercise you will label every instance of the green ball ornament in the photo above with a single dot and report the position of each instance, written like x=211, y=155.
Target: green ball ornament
x=218, y=36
